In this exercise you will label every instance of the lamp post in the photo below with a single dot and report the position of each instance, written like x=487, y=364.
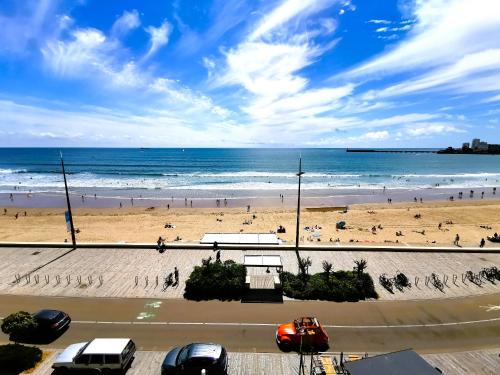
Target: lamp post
x=297, y=228
x=69, y=215
x=298, y=206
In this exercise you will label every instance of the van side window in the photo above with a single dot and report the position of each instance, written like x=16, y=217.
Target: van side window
x=112, y=358
x=82, y=359
x=97, y=359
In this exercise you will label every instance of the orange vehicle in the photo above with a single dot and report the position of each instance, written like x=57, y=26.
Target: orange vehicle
x=306, y=331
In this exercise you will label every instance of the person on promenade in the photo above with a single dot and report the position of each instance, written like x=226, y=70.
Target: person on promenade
x=217, y=256
x=176, y=276
x=160, y=244
x=481, y=244
x=457, y=239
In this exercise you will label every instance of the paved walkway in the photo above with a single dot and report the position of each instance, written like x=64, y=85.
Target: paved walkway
x=485, y=362
x=134, y=272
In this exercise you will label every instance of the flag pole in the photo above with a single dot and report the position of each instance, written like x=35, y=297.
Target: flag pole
x=70, y=216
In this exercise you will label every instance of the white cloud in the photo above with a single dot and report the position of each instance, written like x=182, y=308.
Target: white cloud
x=461, y=75
x=286, y=11
x=125, y=23
x=158, y=37
x=422, y=130
x=492, y=99
x=445, y=30
x=372, y=136
x=381, y=29
x=380, y=22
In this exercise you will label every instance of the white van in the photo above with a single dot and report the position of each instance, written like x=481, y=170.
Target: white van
x=102, y=356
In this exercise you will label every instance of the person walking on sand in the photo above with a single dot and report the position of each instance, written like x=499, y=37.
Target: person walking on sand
x=225, y=202
x=481, y=244
x=494, y=190
x=248, y=208
x=482, y=194
x=191, y=202
x=132, y=201
x=11, y=197
x=121, y=205
x=5, y=211
x=185, y=202
x=457, y=239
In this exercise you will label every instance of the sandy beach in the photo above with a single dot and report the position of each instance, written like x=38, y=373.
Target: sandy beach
x=471, y=219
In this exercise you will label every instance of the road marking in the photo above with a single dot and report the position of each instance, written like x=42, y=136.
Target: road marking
x=216, y=324
x=491, y=308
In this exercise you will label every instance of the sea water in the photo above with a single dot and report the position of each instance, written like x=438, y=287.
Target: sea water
x=164, y=171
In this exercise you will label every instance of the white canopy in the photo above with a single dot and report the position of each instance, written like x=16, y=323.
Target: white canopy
x=241, y=238
x=262, y=261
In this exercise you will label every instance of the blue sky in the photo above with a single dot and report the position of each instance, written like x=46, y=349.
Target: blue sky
x=270, y=73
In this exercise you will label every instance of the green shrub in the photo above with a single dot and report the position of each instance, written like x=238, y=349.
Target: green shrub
x=333, y=286
x=216, y=280
x=17, y=358
x=19, y=325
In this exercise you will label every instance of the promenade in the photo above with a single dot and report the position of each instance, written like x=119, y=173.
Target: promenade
x=125, y=272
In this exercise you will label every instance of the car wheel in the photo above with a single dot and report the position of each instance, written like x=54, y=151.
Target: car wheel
x=286, y=346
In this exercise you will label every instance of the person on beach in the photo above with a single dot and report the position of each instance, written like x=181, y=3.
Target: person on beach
x=121, y=205
x=482, y=194
x=494, y=190
x=185, y=202
x=248, y=208
x=225, y=202
x=191, y=202
x=95, y=196
x=440, y=225
x=457, y=239
x=482, y=243
x=132, y=201
x=168, y=206
x=421, y=200
x=11, y=197
x=5, y=211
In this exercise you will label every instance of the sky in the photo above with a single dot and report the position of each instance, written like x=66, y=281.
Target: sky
x=249, y=73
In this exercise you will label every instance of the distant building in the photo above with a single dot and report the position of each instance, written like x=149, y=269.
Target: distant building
x=476, y=147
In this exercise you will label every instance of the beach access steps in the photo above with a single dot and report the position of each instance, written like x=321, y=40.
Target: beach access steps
x=262, y=281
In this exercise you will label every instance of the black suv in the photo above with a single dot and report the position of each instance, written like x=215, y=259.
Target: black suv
x=193, y=358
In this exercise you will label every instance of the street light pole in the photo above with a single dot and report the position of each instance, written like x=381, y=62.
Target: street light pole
x=298, y=206
x=70, y=216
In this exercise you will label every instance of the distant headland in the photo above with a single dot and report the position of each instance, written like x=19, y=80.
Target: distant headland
x=476, y=147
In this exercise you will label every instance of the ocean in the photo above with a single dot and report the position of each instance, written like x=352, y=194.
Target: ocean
x=209, y=173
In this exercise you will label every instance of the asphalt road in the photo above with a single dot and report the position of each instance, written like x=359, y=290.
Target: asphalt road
x=427, y=326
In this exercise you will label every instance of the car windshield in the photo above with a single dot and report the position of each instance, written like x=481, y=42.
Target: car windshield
x=183, y=355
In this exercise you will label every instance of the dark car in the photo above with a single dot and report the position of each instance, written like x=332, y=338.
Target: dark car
x=193, y=358
x=51, y=321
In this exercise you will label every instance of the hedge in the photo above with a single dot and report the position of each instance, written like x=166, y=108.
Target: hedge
x=216, y=280
x=17, y=358
x=335, y=286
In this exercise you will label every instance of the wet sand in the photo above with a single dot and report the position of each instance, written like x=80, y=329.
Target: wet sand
x=145, y=224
